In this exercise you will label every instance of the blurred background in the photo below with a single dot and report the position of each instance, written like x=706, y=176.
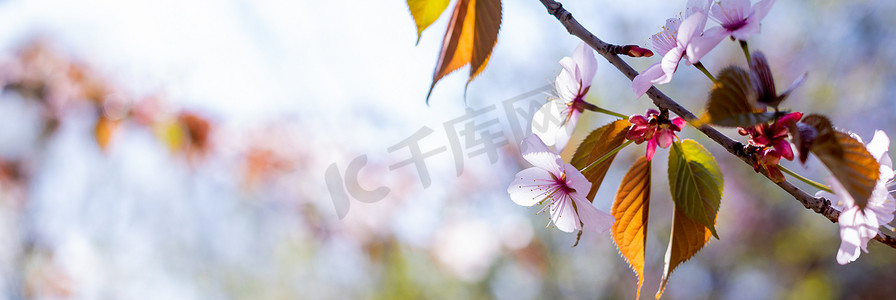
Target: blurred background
x=283, y=150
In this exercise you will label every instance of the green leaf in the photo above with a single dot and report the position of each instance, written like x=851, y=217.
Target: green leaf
x=630, y=210
x=733, y=101
x=696, y=182
x=688, y=237
x=598, y=143
x=425, y=12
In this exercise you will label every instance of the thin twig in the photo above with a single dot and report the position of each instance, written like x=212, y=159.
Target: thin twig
x=817, y=204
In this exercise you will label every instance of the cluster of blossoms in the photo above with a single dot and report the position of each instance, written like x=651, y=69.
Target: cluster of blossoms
x=656, y=128
x=858, y=226
x=550, y=179
x=770, y=142
x=685, y=38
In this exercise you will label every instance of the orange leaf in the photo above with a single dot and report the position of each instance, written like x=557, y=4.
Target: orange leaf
x=630, y=210
x=104, y=130
x=855, y=168
x=688, y=237
x=598, y=143
x=471, y=35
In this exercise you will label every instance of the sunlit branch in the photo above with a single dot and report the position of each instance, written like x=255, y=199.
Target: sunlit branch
x=818, y=204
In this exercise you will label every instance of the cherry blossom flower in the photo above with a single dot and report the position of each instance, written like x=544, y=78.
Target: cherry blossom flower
x=857, y=227
x=555, y=120
x=773, y=135
x=672, y=43
x=736, y=18
x=559, y=183
x=655, y=128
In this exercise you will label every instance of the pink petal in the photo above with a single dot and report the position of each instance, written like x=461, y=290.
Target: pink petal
x=652, y=112
x=701, y=45
x=566, y=84
x=694, y=6
x=645, y=80
x=584, y=58
x=691, y=27
x=665, y=138
x=530, y=186
x=537, y=154
x=670, y=64
x=576, y=180
x=638, y=120
x=679, y=121
x=563, y=214
x=651, y=148
x=744, y=32
x=594, y=220
x=760, y=9
x=783, y=147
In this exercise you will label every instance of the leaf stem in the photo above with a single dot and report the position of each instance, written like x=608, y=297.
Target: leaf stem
x=596, y=108
x=806, y=180
x=700, y=67
x=746, y=48
x=603, y=158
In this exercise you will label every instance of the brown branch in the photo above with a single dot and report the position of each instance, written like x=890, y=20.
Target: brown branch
x=817, y=204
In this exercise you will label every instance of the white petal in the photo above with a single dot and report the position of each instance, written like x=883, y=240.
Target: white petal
x=563, y=214
x=849, y=238
x=538, y=154
x=845, y=198
x=879, y=144
x=566, y=84
x=594, y=219
x=564, y=133
x=530, y=186
x=548, y=120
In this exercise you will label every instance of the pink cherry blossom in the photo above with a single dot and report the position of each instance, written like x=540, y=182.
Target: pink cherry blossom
x=858, y=226
x=559, y=183
x=672, y=43
x=654, y=128
x=555, y=120
x=736, y=18
x=773, y=135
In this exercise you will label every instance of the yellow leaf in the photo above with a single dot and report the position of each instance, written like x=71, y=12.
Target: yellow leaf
x=425, y=12
x=598, y=143
x=471, y=35
x=630, y=210
x=687, y=238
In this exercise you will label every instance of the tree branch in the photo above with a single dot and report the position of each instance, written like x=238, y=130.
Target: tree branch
x=818, y=204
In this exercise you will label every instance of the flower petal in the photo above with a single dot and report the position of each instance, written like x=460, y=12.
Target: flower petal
x=566, y=84
x=679, y=122
x=879, y=144
x=594, y=220
x=691, y=27
x=664, y=138
x=563, y=214
x=651, y=148
x=587, y=64
x=849, y=237
x=530, y=186
x=548, y=120
x=701, y=45
x=784, y=147
x=760, y=9
x=561, y=138
x=744, y=32
x=646, y=79
x=538, y=154
x=670, y=64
